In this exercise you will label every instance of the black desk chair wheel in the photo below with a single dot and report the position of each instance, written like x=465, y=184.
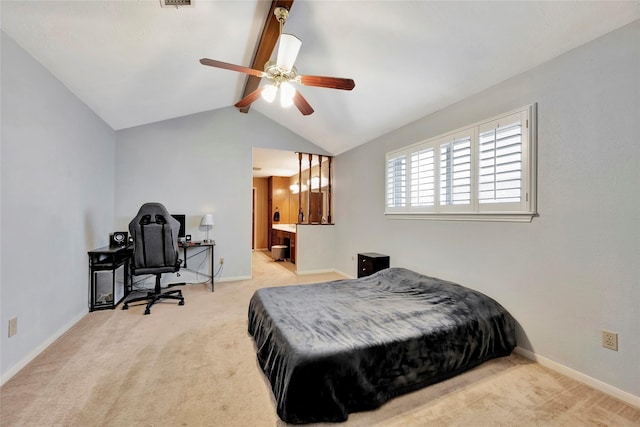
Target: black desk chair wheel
x=155, y=251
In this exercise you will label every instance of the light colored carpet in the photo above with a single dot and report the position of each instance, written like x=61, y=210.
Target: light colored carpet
x=195, y=366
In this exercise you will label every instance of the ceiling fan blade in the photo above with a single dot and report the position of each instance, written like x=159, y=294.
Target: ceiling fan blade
x=302, y=104
x=251, y=98
x=233, y=67
x=329, y=82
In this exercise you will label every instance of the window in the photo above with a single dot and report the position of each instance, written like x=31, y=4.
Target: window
x=483, y=172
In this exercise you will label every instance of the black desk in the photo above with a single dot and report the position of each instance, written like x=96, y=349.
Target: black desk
x=210, y=247
x=108, y=276
x=109, y=273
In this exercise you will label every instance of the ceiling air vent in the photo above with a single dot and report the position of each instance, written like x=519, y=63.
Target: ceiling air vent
x=176, y=3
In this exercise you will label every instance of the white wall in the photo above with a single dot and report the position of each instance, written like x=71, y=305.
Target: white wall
x=574, y=270
x=57, y=204
x=315, y=250
x=196, y=164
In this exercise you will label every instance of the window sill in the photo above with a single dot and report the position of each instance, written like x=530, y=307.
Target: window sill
x=500, y=217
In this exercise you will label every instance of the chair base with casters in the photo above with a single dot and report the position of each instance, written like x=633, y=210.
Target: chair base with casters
x=155, y=296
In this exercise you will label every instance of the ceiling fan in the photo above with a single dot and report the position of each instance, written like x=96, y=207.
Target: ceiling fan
x=281, y=72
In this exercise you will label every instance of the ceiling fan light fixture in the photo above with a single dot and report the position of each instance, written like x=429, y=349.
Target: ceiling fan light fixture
x=287, y=92
x=269, y=93
x=288, y=48
x=279, y=72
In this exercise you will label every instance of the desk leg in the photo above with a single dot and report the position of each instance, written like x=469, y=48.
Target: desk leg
x=91, y=284
x=213, y=269
x=127, y=279
x=184, y=248
x=211, y=254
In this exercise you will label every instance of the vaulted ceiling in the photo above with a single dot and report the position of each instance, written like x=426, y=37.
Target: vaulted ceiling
x=135, y=62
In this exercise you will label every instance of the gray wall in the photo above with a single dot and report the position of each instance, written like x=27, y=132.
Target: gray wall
x=198, y=164
x=574, y=270
x=57, y=203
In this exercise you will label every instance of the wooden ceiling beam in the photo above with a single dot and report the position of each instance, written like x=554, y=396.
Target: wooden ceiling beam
x=264, y=49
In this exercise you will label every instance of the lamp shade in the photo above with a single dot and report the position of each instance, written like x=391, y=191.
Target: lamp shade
x=207, y=220
x=288, y=48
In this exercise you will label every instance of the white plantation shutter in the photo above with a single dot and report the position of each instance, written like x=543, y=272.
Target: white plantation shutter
x=486, y=171
x=396, y=181
x=422, y=180
x=500, y=163
x=455, y=171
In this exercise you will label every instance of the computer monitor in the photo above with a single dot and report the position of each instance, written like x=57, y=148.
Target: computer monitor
x=182, y=220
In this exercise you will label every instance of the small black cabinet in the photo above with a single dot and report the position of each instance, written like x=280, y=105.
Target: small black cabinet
x=369, y=263
x=109, y=276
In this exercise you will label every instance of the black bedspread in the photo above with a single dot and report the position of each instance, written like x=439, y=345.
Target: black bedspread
x=333, y=348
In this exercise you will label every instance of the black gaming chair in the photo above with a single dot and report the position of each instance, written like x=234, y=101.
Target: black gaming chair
x=155, y=251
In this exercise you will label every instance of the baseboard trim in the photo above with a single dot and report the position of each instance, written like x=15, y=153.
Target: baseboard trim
x=579, y=376
x=342, y=273
x=50, y=340
x=324, y=270
x=328, y=270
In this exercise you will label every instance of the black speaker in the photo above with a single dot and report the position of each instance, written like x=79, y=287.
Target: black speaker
x=119, y=238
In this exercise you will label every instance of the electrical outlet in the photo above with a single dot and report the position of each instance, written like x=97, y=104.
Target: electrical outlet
x=221, y=261
x=13, y=326
x=610, y=340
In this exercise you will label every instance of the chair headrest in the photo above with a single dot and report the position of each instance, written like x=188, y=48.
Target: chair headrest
x=146, y=219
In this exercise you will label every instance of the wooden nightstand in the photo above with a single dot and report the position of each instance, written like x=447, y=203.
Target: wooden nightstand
x=370, y=262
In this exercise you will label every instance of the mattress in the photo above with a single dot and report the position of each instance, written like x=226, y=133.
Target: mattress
x=333, y=348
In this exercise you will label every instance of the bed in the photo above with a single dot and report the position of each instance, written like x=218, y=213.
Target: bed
x=333, y=348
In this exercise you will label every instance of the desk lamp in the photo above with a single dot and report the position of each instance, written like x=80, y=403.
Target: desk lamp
x=207, y=221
